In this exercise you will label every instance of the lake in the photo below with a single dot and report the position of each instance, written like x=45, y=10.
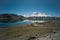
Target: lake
x=19, y=23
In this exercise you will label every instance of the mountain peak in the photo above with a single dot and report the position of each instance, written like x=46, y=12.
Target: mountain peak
x=37, y=14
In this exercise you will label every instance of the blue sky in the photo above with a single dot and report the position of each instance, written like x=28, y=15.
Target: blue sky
x=27, y=7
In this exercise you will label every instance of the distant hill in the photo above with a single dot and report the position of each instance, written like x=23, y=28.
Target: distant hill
x=10, y=17
x=42, y=18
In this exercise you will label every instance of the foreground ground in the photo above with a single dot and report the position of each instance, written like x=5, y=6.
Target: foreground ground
x=37, y=31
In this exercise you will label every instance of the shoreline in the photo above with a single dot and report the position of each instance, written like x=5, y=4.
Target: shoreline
x=25, y=32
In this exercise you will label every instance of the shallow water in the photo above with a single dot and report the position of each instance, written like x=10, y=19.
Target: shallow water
x=20, y=23
x=14, y=24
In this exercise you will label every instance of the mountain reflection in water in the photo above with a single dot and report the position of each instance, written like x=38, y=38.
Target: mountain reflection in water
x=22, y=22
x=3, y=24
x=36, y=21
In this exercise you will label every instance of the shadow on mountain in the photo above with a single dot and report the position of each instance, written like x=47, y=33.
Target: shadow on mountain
x=9, y=18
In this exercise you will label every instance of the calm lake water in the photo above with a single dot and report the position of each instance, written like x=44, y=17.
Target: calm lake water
x=14, y=24
x=18, y=23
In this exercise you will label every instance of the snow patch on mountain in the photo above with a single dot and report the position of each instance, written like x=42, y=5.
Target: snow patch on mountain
x=37, y=14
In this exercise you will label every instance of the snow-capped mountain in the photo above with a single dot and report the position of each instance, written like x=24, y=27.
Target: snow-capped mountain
x=36, y=14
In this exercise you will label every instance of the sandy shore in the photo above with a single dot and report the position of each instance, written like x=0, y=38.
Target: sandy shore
x=37, y=31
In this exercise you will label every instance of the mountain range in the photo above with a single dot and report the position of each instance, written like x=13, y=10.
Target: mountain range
x=10, y=17
x=14, y=18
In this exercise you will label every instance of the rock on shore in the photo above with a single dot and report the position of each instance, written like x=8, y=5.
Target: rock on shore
x=52, y=36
